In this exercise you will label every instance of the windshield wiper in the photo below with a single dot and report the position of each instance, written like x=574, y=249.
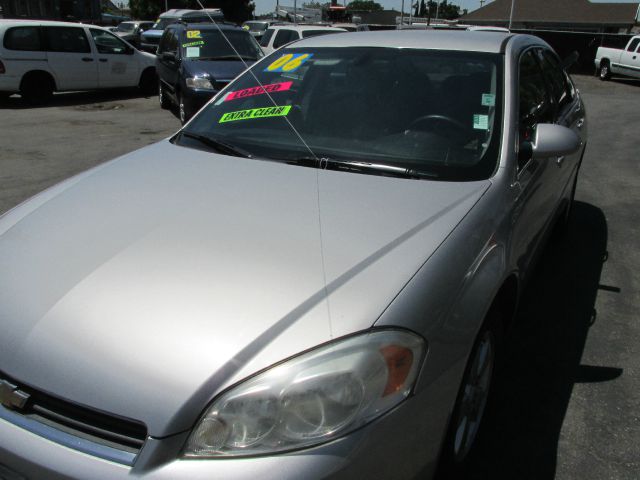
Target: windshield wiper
x=325, y=163
x=218, y=145
x=227, y=57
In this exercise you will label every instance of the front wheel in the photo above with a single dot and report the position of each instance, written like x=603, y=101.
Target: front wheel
x=162, y=97
x=473, y=396
x=605, y=70
x=183, y=113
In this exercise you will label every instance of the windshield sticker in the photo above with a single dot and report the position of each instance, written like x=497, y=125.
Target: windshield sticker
x=193, y=34
x=245, y=27
x=250, y=92
x=193, y=52
x=481, y=122
x=488, y=100
x=278, y=111
x=193, y=44
x=289, y=63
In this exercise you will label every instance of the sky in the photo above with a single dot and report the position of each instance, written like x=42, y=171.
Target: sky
x=263, y=6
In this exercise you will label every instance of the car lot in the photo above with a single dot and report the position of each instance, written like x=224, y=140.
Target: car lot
x=569, y=403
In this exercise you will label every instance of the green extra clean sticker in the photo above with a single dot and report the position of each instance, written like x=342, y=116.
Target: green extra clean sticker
x=278, y=111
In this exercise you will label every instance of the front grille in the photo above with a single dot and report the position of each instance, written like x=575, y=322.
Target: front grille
x=98, y=427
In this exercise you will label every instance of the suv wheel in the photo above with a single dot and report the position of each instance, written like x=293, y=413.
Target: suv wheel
x=182, y=110
x=36, y=88
x=162, y=97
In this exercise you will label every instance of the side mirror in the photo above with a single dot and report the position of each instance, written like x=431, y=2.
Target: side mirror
x=169, y=57
x=552, y=140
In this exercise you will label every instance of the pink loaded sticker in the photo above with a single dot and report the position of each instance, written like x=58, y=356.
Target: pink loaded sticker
x=250, y=92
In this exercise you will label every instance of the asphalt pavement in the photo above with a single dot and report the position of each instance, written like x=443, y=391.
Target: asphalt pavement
x=568, y=404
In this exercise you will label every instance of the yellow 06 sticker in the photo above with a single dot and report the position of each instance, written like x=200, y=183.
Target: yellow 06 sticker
x=289, y=62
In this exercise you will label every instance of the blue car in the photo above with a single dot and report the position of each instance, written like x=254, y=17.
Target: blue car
x=195, y=61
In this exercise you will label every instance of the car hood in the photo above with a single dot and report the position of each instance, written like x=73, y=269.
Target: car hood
x=218, y=69
x=144, y=287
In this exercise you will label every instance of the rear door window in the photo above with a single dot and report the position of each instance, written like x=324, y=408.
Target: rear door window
x=66, y=39
x=284, y=36
x=264, y=41
x=23, y=38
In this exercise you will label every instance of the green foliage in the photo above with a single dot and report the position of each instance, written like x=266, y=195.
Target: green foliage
x=234, y=10
x=366, y=5
x=318, y=5
x=446, y=11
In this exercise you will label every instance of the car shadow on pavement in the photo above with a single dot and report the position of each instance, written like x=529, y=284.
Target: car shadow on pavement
x=73, y=99
x=542, y=357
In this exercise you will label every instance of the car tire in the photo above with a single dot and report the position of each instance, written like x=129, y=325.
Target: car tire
x=605, y=70
x=183, y=114
x=473, y=396
x=148, y=84
x=36, y=88
x=162, y=97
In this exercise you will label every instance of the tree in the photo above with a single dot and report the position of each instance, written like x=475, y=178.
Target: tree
x=423, y=9
x=446, y=11
x=317, y=5
x=365, y=5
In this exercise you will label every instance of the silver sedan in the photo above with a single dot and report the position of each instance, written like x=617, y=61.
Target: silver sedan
x=314, y=278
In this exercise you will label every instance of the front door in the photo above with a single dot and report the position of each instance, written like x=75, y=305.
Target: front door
x=117, y=66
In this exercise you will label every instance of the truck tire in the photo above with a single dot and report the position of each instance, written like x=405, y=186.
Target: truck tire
x=605, y=70
x=36, y=87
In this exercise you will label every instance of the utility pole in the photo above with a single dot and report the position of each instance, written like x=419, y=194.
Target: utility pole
x=511, y=14
x=437, y=9
x=295, y=11
x=402, y=15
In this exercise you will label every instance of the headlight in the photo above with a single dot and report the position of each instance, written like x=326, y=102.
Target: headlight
x=312, y=398
x=200, y=83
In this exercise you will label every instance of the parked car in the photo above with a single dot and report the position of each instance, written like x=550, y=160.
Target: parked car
x=40, y=57
x=352, y=27
x=195, y=61
x=314, y=278
x=257, y=28
x=280, y=34
x=149, y=40
x=620, y=62
x=131, y=31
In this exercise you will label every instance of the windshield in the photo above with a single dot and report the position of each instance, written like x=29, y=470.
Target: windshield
x=163, y=23
x=436, y=112
x=211, y=45
x=125, y=27
x=257, y=26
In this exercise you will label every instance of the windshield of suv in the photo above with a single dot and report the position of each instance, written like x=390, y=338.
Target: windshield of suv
x=257, y=26
x=211, y=45
x=163, y=23
x=434, y=113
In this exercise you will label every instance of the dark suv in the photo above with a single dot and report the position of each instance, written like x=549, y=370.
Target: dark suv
x=195, y=61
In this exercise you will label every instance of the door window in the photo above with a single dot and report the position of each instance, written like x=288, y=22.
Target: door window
x=632, y=46
x=107, y=43
x=284, y=36
x=556, y=78
x=23, y=38
x=264, y=41
x=66, y=39
x=535, y=105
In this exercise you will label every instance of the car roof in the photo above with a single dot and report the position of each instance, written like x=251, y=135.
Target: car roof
x=293, y=26
x=207, y=26
x=47, y=23
x=463, y=40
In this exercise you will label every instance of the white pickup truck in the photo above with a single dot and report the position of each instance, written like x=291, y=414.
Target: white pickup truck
x=622, y=62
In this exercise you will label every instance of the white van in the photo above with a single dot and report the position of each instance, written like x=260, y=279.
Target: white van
x=40, y=57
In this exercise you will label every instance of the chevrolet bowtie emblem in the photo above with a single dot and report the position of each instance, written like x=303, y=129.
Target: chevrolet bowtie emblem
x=11, y=397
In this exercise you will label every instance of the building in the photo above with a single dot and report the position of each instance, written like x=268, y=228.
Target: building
x=562, y=15
x=77, y=10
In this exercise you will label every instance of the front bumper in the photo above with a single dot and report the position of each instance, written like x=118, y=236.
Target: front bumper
x=403, y=444
x=194, y=100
